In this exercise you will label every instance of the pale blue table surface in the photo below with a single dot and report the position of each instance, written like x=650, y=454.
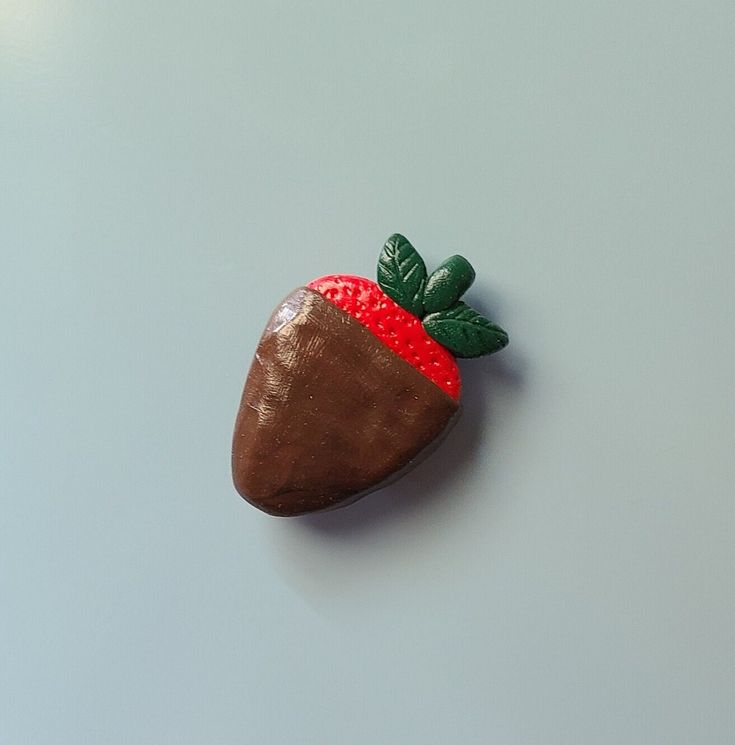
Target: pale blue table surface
x=562, y=570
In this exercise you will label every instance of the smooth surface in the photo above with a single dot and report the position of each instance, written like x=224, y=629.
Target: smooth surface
x=561, y=570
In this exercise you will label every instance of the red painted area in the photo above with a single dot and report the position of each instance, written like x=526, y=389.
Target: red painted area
x=398, y=329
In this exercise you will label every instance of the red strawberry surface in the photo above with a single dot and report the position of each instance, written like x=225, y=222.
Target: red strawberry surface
x=398, y=329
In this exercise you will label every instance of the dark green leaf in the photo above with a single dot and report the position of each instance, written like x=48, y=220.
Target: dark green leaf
x=464, y=332
x=448, y=283
x=402, y=274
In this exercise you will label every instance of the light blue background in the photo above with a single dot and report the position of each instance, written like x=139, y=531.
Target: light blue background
x=561, y=571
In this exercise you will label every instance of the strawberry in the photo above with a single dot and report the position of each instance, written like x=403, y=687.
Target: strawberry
x=353, y=380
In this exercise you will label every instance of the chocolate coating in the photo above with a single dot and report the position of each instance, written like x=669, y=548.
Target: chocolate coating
x=328, y=413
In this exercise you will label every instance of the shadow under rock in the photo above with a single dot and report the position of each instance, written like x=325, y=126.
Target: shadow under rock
x=425, y=491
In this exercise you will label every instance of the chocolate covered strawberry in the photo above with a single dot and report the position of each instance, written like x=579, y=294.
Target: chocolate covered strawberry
x=353, y=379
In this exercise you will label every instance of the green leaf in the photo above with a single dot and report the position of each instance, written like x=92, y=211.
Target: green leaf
x=448, y=283
x=464, y=332
x=402, y=274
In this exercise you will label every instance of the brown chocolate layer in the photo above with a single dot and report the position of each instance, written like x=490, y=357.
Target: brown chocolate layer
x=328, y=412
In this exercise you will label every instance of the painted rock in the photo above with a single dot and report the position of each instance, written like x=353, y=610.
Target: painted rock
x=353, y=381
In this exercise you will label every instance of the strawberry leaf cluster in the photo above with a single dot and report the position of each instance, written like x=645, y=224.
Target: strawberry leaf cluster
x=436, y=299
